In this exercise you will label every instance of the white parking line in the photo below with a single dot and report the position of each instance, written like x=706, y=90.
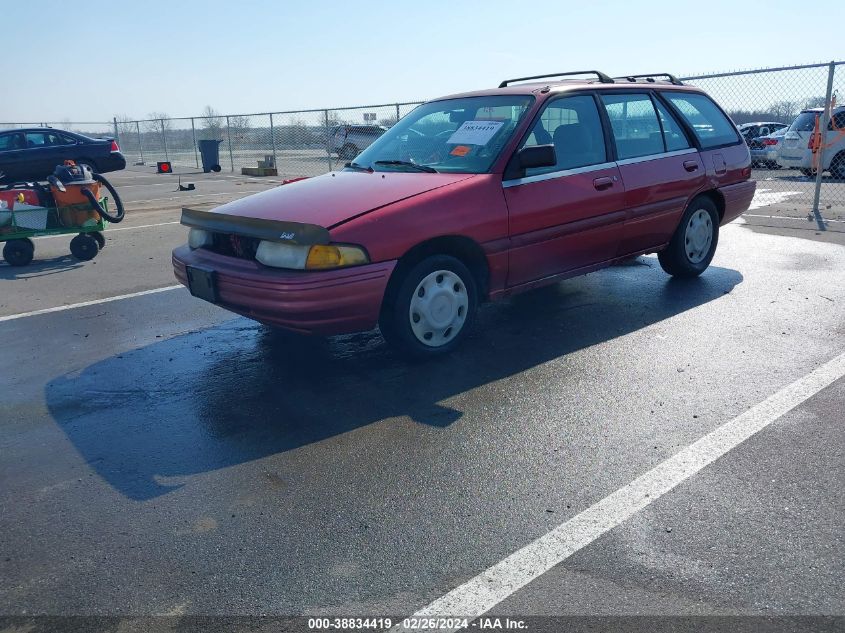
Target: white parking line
x=73, y=306
x=480, y=594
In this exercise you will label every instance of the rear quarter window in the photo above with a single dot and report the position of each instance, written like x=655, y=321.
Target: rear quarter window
x=710, y=125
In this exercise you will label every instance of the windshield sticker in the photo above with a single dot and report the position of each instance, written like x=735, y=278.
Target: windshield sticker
x=475, y=132
x=460, y=150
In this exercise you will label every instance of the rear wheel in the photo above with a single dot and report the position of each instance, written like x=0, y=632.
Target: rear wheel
x=18, y=252
x=431, y=310
x=809, y=173
x=349, y=151
x=693, y=245
x=84, y=247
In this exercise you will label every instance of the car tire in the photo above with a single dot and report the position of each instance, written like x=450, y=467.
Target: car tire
x=809, y=173
x=18, y=252
x=693, y=244
x=349, y=151
x=84, y=247
x=837, y=166
x=431, y=307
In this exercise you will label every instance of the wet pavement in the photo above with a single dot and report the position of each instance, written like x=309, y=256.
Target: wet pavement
x=159, y=455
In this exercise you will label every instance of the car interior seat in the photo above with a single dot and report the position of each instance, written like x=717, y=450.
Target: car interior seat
x=573, y=146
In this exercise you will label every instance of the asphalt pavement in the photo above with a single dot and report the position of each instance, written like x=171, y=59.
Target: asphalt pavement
x=161, y=456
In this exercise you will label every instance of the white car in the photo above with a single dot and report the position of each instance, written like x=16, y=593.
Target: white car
x=795, y=151
x=765, y=149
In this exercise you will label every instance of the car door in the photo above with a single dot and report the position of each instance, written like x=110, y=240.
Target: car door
x=568, y=216
x=12, y=146
x=39, y=156
x=658, y=164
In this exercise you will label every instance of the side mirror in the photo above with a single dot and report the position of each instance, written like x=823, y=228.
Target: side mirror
x=537, y=156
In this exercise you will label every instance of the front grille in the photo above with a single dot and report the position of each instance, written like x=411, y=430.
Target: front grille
x=234, y=245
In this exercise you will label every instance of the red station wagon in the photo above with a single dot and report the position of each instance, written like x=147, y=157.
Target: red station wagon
x=474, y=197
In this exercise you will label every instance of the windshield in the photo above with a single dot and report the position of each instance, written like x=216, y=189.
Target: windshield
x=456, y=136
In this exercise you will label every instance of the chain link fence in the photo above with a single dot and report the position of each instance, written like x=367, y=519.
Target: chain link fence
x=804, y=166
x=801, y=167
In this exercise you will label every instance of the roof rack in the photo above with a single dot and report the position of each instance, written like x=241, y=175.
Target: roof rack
x=605, y=79
x=650, y=78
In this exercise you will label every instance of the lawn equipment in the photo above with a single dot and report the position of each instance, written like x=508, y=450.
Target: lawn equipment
x=71, y=201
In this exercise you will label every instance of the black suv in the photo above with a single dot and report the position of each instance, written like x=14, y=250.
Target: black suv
x=33, y=153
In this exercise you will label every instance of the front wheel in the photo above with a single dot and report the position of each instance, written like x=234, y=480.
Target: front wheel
x=84, y=247
x=431, y=309
x=694, y=243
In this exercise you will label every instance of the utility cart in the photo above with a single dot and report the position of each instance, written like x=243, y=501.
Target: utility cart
x=72, y=201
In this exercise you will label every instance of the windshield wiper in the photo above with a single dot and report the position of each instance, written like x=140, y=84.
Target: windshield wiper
x=407, y=163
x=354, y=165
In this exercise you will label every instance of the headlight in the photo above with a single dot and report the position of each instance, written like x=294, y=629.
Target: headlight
x=197, y=238
x=317, y=257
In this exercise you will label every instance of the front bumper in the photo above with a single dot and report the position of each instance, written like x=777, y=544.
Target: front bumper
x=318, y=302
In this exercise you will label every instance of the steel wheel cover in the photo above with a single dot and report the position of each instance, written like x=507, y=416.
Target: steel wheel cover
x=438, y=308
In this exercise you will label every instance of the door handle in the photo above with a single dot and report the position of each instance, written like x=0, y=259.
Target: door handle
x=690, y=165
x=602, y=183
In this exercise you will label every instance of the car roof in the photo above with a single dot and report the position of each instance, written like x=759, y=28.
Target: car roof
x=38, y=129
x=566, y=85
x=761, y=123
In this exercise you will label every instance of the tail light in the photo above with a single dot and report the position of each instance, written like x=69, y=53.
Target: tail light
x=770, y=141
x=114, y=146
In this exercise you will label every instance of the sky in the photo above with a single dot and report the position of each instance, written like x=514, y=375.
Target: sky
x=131, y=58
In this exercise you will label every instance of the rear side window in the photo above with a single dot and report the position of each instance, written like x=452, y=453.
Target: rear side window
x=635, y=126
x=673, y=133
x=711, y=127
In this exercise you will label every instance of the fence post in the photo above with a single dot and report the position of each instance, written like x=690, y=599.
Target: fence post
x=116, y=135
x=194, y=136
x=229, y=136
x=823, y=131
x=164, y=140
x=328, y=140
x=140, y=144
x=397, y=111
x=273, y=143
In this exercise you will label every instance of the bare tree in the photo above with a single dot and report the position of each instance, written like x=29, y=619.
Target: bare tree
x=159, y=122
x=814, y=102
x=784, y=111
x=125, y=126
x=238, y=125
x=212, y=123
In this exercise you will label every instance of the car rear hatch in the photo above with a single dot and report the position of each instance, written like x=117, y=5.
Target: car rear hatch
x=799, y=133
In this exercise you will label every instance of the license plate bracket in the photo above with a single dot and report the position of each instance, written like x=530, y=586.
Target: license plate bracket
x=202, y=282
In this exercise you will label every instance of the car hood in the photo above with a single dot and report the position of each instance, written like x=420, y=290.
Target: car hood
x=334, y=198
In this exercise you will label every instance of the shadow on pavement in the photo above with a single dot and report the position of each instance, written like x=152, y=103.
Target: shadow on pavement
x=40, y=267
x=238, y=392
